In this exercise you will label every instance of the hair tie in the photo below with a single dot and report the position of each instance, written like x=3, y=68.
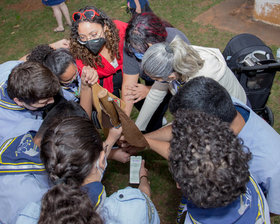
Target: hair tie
x=59, y=181
x=168, y=49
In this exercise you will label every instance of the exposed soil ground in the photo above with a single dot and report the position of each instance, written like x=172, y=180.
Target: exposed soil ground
x=236, y=16
x=27, y=5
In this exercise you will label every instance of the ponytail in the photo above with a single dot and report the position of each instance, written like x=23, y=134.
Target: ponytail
x=187, y=61
x=68, y=150
x=67, y=204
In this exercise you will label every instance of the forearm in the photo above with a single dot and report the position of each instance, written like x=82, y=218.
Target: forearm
x=160, y=147
x=128, y=105
x=162, y=134
x=144, y=186
x=86, y=99
x=110, y=141
x=128, y=80
x=112, y=138
x=137, y=3
x=138, y=6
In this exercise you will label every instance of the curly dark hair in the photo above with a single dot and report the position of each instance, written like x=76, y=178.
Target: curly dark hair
x=207, y=160
x=144, y=29
x=39, y=53
x=56, y=60
x=79, y=51
x=69, y=149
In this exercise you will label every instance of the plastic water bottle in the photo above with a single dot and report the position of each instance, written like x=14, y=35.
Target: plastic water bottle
x=278, y=55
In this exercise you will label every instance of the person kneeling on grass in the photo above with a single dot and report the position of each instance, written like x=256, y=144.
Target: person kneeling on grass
x=210, y=167
x=75, y=161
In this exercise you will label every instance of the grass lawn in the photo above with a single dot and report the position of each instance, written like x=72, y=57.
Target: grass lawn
x=27, y=23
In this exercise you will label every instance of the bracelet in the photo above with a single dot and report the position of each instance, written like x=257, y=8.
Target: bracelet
x=118, y=126
x=144, y=176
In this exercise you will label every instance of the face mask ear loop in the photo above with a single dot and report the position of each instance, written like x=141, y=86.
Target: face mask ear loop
x=100, y=170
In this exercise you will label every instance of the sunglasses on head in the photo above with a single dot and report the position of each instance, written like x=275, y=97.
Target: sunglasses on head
x=87, y=14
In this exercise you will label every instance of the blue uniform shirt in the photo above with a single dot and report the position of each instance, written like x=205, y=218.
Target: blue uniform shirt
x=129, y=205
x=6, y=68
x=250, y=207
x=264, y=144
x=15, y=120
x=20, y=155
x=22, y=176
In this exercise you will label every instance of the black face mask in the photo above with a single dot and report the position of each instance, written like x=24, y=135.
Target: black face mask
x=95, y=45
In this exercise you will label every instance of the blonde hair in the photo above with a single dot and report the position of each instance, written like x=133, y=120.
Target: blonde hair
x=187, y=61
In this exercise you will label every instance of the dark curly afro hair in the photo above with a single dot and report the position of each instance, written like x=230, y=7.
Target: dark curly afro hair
x=111, y=34
x=207, y=160
x=39, y=53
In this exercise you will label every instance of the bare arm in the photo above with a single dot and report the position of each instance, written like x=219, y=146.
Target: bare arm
x=128, y=80
x=162, y=134
x=144, y=185
x=112, y=138
x=160, y=147
x=115, y=154
x=138, y=6
x=159, y=140
x=88, y=78
x=63, y=43
x=86, y=99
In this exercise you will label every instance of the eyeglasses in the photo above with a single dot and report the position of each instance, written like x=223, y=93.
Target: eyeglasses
x=84, y=39
x=69, y=83
x=87, y=14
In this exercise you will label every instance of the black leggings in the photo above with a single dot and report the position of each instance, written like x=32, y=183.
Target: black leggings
x=156, y=120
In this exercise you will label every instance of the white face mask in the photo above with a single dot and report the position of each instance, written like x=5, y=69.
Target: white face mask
x=101, y=171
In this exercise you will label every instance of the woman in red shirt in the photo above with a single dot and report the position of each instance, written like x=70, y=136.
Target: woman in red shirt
x=97, y=41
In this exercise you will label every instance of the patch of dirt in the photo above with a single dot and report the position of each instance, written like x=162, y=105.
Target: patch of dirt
x=205, y=3
x=236, y=16
x=203, y=30
x=27, y=6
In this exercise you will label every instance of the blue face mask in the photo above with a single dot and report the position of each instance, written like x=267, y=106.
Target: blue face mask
x=138, y=55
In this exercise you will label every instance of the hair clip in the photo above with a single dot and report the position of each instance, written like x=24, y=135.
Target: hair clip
x=168, y=49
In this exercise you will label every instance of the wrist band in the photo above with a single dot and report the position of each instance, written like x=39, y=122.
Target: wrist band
x=118, y=126
x=144, y=176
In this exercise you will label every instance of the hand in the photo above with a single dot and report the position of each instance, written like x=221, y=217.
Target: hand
x=122, y=142
x=132, y=150
x=89, y=76
x=60, y=44
x=143, y=171
x=137, y=92
x=138, y=9
x=115, y=134
x=119, y=155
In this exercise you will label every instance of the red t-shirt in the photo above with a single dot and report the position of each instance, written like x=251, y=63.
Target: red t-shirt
x=108, y=70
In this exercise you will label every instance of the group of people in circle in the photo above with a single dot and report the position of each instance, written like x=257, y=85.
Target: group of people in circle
x=223, y=157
